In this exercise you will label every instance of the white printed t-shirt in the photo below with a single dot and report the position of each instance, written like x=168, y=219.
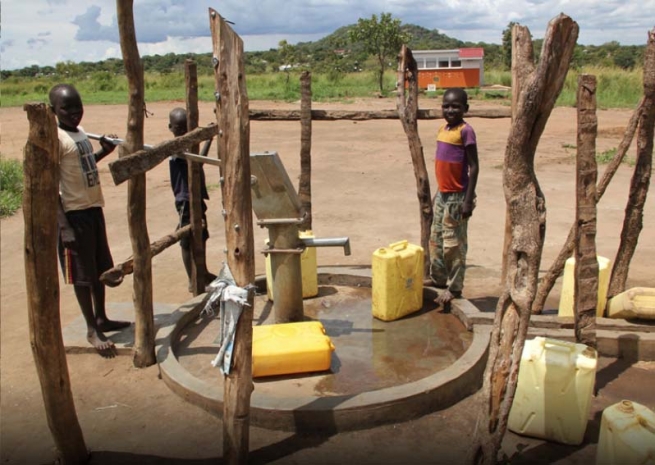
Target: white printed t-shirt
x=79, y=181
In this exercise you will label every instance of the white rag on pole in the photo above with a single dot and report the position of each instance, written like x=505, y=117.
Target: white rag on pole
x=229, y=299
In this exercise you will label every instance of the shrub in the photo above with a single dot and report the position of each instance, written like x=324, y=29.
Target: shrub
x=11, y=186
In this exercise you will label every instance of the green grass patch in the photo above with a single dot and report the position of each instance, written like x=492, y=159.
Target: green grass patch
x=602, y=158
x=617, y=88
x=11, y=186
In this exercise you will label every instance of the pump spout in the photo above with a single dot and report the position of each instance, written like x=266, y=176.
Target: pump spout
x=328, y=242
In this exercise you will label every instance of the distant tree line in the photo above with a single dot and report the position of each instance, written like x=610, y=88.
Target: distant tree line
x=343, y=51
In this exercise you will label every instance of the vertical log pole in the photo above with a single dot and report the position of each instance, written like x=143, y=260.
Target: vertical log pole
x=548, y=281
x=305, y=183
x=556, y=268
x=234, y=147
x=522, y=66
x=634, y=211
x=41, y=190
x=407, y=105
x=198, y=257
x=527, y=215
x=586, y=263
x=144, y=323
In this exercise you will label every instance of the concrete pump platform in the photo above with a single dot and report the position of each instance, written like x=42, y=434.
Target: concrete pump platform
x=381, y=372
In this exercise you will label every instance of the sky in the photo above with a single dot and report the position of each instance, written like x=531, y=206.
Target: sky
x=45, y=32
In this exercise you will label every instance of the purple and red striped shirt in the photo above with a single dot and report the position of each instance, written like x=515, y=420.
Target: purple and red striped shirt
x=451, y=163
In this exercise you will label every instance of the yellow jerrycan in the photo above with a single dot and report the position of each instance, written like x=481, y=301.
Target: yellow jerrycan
x=397, y=284
x=638, y=302
x=567, y=296
x=627, y=435
x=308, y=268
x=553, y=394
x=288, y=348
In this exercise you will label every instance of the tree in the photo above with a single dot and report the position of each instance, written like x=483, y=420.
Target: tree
x=625, y=58
x=381, y=38
x=507, y=45
x=288, y=54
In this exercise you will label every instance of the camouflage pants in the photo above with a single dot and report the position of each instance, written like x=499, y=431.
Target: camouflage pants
x=448, y=242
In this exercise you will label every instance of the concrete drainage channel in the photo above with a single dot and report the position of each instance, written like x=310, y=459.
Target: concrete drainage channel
x=284, y=410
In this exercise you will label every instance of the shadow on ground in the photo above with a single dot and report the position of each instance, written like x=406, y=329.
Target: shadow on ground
x=125, y=458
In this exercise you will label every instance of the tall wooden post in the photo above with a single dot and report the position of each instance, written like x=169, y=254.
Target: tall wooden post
x=198, y=262
x=40, y=194
x=634, y=211
x=521, y=68
x=527, y=215
x=407, y=105
x=548, y=281
x=144, y=323
x=556, y=268
x=305, y=183
x=234, y=147
x=586, y=263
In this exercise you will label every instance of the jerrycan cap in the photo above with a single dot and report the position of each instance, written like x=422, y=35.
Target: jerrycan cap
x=626, y=406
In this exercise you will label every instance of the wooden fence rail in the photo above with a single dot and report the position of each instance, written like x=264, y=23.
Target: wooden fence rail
x=334, y=115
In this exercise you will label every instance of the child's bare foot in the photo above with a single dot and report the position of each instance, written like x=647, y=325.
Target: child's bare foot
x=445, y=297
x=99, y=341
x=107, y=326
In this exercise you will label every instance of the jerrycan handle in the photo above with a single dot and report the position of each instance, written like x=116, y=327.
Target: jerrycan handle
x=400, y=245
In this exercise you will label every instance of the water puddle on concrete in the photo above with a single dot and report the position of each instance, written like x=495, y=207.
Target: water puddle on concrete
x=369, y=354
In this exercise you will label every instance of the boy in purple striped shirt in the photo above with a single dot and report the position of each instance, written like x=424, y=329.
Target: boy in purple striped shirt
x=456, y=168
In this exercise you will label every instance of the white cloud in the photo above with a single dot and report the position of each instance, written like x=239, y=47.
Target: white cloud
x=47, y=31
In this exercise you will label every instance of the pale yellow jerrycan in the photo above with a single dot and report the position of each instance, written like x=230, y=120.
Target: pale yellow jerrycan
x=397, y=284
x=638, y=302
x=553, y=394
x=627, y=435
x=567, y=296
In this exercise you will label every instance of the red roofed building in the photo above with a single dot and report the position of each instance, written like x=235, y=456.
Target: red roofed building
x=441, y=69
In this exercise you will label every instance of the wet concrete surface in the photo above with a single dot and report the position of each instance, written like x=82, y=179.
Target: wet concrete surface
x=369, y=354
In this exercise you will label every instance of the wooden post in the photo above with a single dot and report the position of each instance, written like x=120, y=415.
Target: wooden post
x=407, y=105
x=144, y=323
x=548, y=281
x=521, y=68
x=556, y=268
x=586, y=263
x=114, y=276
x=634, y=211
x=40, y=194
x=198, y=257
x=234, y=147
x=527, y=214
x=305, y=183
x=145, y=159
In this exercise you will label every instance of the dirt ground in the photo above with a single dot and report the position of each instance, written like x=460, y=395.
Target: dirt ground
x=363, y=187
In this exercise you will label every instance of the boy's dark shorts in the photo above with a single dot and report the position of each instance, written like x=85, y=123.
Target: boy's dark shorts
x=83, y=264
x=184, y=211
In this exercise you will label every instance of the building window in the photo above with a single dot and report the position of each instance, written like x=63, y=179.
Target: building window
x=455, y=64
x=420, y=63
x=430, y=63
x=444, y=64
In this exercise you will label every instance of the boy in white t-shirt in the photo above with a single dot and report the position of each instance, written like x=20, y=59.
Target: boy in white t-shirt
x=83, y=248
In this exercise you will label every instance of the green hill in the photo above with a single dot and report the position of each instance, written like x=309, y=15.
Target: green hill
x=333, y=53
